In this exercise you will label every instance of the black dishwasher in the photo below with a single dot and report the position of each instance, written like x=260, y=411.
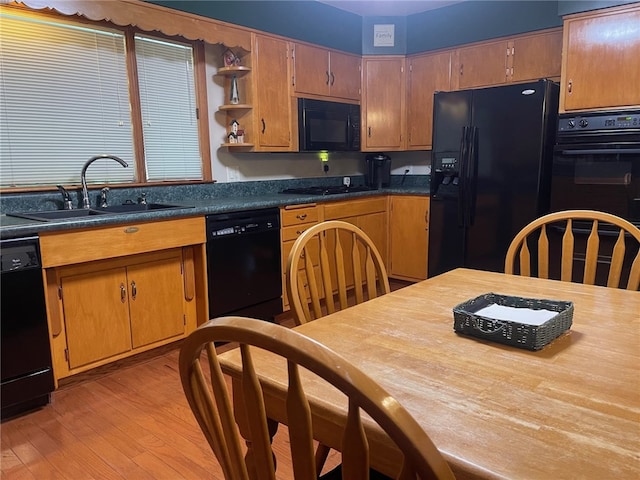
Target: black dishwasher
x=27, y=374
x=243, y=264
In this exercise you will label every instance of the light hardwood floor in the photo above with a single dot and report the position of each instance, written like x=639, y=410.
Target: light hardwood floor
x=128, y=421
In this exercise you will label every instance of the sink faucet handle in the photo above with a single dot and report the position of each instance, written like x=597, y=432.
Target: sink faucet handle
x=65, y=197
x=143, y=199
x=103, y=197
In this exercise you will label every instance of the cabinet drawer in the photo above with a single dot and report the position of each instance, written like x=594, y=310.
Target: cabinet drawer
x=294, y=231
x=351, y=208
x=296, y=216
x=69, y=247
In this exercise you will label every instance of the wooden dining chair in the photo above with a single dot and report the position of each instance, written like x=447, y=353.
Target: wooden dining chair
x=208, y=396
x=332, y=265
x=532, y=245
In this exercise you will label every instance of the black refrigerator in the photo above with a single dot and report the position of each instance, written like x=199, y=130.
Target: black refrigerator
x=490, y=171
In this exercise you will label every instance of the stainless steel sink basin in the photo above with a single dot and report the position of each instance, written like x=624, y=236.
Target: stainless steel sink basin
x=136, y=207
x=52, y=215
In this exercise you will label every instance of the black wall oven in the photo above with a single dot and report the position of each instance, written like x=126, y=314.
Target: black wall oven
x=596, y=166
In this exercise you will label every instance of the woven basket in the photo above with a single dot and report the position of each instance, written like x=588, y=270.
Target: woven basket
x=531, y=337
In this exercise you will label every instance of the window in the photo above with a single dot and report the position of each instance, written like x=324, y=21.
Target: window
x=65, y=96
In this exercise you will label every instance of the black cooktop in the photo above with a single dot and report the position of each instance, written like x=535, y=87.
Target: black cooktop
x=327, y=190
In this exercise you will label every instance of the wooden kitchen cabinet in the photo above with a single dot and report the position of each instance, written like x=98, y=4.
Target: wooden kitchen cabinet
x=114, y=291
x=481, y=64
x=519, y=58
x=383, y=104
x=326, y=73
x=427, y=74
x=408, y=237
x=114, y=307
x=600, y=67
x=273, y=103
x=536, y=56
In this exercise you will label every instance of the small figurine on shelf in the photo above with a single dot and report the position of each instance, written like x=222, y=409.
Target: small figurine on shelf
x=230, y=59
x=240, y=136
x=234, y=99
x=233, y=134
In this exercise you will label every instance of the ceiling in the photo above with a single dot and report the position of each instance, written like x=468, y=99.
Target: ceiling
x=387, y=8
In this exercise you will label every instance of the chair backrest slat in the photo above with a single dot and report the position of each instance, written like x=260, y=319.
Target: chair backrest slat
x=256, y=417
x=543, y=255
x=591, y=262
x=626, y=247
x=617, y=259
x=301, y=437
x=567, y=253
x=263, y=343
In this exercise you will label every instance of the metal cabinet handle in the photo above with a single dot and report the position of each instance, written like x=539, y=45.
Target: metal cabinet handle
x=301, y=216
x=461, y=69
x=333, y=79
x=570, y=85
x=369, y=132
x=299, y=232
x=134, y=290
x=264, y=125
x=327, y=82
x=123, y=293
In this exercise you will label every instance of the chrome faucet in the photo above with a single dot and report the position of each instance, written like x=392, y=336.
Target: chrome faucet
x=83, y=176
x=65, y=197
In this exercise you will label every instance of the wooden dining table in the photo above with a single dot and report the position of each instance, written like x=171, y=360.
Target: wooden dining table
x=568, y=411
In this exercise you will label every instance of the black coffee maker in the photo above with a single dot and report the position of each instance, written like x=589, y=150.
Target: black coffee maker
x=378, y=173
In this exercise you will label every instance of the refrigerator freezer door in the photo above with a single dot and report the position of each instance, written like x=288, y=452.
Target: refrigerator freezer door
x=513, y=162
x=452, y=115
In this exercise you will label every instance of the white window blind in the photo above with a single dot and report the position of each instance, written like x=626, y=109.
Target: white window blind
x=168, y=104
x=63, y=99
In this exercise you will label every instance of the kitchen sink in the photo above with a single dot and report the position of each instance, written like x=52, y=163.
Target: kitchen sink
x=136, y=207
x=52, y=215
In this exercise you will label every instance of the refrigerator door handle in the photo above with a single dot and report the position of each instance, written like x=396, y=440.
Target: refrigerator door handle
x=472, y=176
x=462, y=177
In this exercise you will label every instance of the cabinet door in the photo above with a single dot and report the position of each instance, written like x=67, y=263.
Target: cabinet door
x=427, y=75
x=96, y=315
x=273, y=119
x=375, y=226
x=311, y=70
x=383, y=103
x=537, y=56
x=408, y=237
x=601, y=67
x=344, y=75
x=481, y=65
x=156, y=298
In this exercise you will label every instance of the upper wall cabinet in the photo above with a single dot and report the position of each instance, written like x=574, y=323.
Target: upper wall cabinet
x=427, y=74
x=273, y=102
x=326, y=73
x=383, y=109
x=601, y=62
x=514, y=59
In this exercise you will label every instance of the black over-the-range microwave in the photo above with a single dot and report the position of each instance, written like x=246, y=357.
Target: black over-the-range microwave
x=328, y=126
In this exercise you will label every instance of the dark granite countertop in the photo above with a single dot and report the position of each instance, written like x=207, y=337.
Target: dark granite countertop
x=196, y=203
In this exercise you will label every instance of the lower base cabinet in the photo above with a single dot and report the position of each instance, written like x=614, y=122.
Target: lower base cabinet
x=110, y=309
x=122, y=290
x=408, y=237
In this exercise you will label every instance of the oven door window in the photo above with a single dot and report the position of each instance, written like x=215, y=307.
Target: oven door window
x=608, y=182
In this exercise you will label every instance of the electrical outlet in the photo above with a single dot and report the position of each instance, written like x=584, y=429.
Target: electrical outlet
x=232, y=174
x=408, y=170
x=346, y=181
